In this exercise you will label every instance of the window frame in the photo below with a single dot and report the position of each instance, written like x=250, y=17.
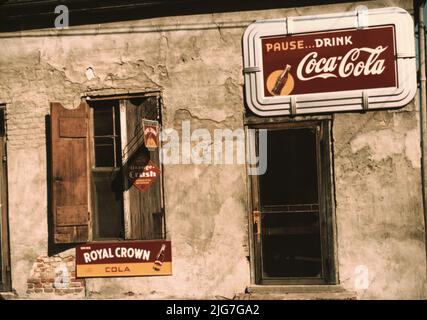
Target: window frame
x=101, y=169
x=126, y=212
x=326, y=198
x=5, y=279
x=114, y=136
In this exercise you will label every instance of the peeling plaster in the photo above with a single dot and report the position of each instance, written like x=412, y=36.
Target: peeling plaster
x=383, y=144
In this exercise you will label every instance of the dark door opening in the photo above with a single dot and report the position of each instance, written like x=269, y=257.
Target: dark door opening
x=294, y=241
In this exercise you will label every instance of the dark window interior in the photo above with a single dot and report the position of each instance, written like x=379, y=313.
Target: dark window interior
x=291, y=176
x=2, y=134
x=106, y=173
x=2, y=122
x=291, y=242
x=106, y=128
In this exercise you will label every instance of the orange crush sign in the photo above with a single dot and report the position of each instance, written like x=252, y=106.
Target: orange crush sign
x=142, y=177
x=124, y=259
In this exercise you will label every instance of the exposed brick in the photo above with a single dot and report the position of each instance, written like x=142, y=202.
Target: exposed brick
x=38, y=290
x=47, y=280
x=59, y=291
x=69, y=290
x=48, y=290
x=30, y=291
x=47, y=285
x=30, y=285
x=34, y=280
x=38, y=285
x=36, y=274
x=77, y=290
x=75, y=284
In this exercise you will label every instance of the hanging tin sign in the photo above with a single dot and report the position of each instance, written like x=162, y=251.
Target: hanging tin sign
x=142, y=175
x=151, y=134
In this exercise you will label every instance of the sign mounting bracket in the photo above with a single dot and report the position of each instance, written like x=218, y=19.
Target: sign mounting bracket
x=289, y=26
x=365, y=101
x=293, y=109
x=251, y=69
x=362, y=18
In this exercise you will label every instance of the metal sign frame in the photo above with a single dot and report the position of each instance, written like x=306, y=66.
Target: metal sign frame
x=338, y=101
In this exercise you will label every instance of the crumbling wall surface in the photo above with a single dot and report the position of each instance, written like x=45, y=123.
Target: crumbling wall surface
x=381, y=234
x=197, y=63
x=199, y=72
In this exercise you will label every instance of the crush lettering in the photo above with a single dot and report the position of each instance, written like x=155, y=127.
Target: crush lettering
x=144, y=174
x=312, y=67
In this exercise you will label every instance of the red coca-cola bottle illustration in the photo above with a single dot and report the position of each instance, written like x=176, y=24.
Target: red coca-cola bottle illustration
x=160, y=258
x=281, y=81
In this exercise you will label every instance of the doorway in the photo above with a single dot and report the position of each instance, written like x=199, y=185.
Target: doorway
x=293, y=206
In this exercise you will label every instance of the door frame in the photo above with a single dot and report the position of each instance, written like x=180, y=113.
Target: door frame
x=327, y=202
x=6, y=281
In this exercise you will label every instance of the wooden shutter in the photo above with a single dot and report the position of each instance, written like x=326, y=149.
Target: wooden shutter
x=146, y=214
x=69, y=141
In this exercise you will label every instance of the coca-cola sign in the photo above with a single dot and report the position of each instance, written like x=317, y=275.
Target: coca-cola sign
x=328, y=63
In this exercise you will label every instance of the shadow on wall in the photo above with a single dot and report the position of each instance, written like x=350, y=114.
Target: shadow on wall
x=19, y=15
x=53, y=248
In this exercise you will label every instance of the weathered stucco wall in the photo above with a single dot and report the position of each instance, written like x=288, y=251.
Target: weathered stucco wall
x=197, y=62
x=379, y=207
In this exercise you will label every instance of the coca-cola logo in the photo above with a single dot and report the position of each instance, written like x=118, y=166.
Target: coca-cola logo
x=328, y=62
x=311, y=67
